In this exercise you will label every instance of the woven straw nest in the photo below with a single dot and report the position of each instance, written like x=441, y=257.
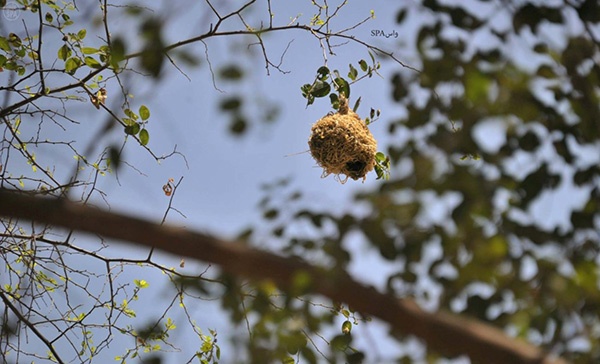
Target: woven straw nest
x=342, y=144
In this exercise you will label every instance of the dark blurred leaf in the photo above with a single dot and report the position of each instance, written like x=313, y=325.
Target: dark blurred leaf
x=114, y=157
x=530, y=141
x=400, y=90
x=117, y=51
x=238, y=125
x=589, y=11
x=401, y=16
x=531, y=15
x=340, y=342
x=230, y=104
x=271, y=214
x=231, y=72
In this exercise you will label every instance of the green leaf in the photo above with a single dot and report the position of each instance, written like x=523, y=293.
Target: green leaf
x=322, y=73
x=15, y=40
x=170, y=325
x=91, y=62
x=141, y=283
x=342, y=86
x=81, y=34
x=340, y=342
x=346, y=327
x=363, y=65
x=144, y=112
x=320, y=89
x=356, y=104
x=2, y=60
x=335, y=101
x=4, y=44
x=132, y=129
x=353, y=73
x=130, y=114
x=72, y=65
x=89, y=50
x=144, y=137
x=49, y=17
x=10, y=65
x=64, y=52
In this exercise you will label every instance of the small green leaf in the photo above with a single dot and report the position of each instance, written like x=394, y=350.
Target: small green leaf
x=322, y=73
x=132, y=129
x=170, y=325
x=130, y=114
x=363, y=65
x=356, y=104
x=144, y=137
x=89, y=50
x=49, y=17
x=81, y=34
x=64, y=52
x=320, y=89
x=4, y=44
x=91, y=62
x=129, y=121
x=342, y=86
x=141, y=283
x=15, y=40
x=144, y=112
x=353, y=73
x=346, y=327
x=335, y=101
x=72, y=65
x=2, y=60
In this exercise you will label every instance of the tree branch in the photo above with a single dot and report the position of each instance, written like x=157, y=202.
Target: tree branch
x=444, y=332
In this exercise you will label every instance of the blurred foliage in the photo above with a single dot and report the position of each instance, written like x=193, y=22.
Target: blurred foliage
x=495, y=140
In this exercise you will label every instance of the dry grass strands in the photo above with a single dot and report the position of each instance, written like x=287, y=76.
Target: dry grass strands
x=342, y=144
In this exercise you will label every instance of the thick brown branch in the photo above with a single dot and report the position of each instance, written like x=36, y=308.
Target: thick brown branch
x=444, y=332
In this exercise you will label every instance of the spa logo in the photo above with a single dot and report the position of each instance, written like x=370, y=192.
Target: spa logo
x=383, y=33
x=10, y=11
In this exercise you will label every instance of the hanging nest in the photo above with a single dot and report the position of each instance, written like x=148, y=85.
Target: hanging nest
x=342, y=144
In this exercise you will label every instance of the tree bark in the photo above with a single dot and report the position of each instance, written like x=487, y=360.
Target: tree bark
x=444, y=332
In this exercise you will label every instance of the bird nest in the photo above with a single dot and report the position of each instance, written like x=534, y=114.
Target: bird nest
x=342, y=145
